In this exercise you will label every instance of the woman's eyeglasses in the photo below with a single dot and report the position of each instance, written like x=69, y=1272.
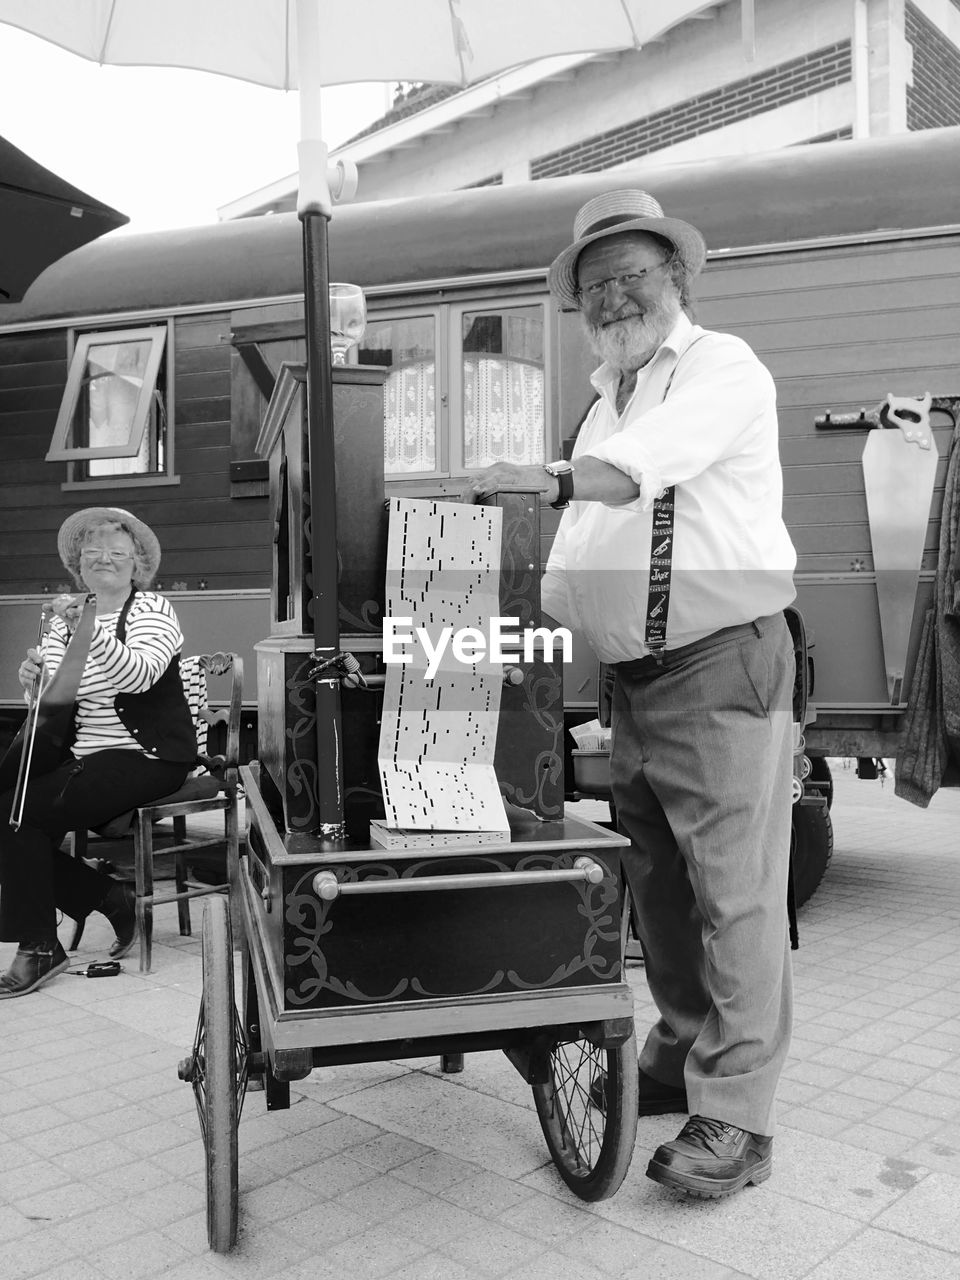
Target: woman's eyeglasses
x=97, y=553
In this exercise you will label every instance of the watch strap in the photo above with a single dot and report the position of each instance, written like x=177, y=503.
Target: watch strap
x=564, y=488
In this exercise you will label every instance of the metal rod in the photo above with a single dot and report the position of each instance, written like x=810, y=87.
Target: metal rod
x=328, y=887
x=30, y=732
x=323, y=521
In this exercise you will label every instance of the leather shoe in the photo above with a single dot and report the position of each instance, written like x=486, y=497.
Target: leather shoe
x=34, y=964
x=656, y=1099
x=120, y=908
x=710, y=1159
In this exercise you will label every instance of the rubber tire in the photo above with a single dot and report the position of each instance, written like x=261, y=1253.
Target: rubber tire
x=591, y=1149
x=220, y=1076
x=821, y=775
x=811, y=848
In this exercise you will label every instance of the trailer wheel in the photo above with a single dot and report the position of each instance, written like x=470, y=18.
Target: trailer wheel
x=811, y=847
x=591, y=1148
x=217, y=1070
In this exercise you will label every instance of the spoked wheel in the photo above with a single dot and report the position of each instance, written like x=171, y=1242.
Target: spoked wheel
x=217, y=1069
x=591, y=1145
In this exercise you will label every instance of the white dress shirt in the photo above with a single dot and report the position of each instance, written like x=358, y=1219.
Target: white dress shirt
x=715, y=437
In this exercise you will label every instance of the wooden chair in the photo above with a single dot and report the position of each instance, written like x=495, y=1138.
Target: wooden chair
x=217, y=789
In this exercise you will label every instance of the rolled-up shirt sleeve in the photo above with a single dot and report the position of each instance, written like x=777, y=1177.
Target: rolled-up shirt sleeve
x=721, y=393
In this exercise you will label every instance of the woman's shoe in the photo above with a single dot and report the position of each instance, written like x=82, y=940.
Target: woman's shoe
x=104, y=868
x=34, y=964
x=120, y=908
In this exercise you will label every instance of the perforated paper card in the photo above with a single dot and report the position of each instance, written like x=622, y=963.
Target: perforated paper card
x=440, y=714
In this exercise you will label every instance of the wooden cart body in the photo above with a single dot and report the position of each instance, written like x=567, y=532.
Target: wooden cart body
x=385, y=973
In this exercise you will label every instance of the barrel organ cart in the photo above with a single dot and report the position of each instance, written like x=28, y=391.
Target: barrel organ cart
x=353, y=951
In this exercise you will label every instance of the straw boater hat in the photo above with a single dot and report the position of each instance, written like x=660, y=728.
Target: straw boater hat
x=609, y=215
x=74, y=529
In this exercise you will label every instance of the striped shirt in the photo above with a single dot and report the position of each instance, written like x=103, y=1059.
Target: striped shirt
x=153, y=638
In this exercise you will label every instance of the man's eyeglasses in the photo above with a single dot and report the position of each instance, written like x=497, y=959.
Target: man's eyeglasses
x=97, y=553
x=628, y=281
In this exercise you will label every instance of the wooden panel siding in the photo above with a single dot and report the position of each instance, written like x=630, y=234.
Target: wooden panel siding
x=35, y=370
x=32, y=348
x=819, y=268
x=33, y=399
x=206, y=535
x=212, y=532
x=203, y=384
x=853, y=297
x=890, y=358
x=839, y=329
x=206, y=359
x=845, y=392
x=203, y=411
x=18, y=432
x=204, y=331
x=866, y=341
x=34, y=496
x=827, y=451
x=38, y=374
x=801, y=481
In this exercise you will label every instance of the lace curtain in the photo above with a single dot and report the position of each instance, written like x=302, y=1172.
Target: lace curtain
x=410, y=431
x=502, y=411
x=502, y=414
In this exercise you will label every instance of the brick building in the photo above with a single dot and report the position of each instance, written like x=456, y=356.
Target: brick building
x=706, y=86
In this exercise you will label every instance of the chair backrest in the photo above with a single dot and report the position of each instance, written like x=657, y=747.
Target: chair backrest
x=194, y=671
x=195, y=688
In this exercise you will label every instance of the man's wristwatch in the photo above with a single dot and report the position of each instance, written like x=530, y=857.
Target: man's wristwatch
x=563, y=474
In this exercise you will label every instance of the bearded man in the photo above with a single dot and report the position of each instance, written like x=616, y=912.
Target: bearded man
x=673, y=560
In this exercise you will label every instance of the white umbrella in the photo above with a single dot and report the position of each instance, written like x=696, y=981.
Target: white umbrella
x=308, y=44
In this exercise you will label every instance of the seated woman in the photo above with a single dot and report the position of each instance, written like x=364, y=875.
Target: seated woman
x=135, y=742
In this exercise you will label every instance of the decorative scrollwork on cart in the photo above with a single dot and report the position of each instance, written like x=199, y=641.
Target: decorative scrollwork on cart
x=300, y=730
x=547, y=769
x=310, y=917
x=415, y=967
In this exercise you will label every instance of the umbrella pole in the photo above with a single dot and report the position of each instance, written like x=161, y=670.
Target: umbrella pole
x=314, y=207
x=323, y=520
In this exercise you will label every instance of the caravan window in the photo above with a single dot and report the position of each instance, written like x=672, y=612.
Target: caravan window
x=501, y=397
x=465, y=385
x=113, y=417
x=407, y=347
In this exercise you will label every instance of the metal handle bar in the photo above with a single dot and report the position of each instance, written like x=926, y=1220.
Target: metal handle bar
x=328, y=887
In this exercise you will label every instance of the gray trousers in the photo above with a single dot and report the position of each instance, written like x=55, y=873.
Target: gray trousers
x=701, y=766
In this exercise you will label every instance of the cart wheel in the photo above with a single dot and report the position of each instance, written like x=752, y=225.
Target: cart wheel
x=591, y=1147
x=217, y=1070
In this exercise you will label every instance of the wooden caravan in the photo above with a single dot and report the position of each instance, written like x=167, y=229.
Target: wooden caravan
x=838, y=262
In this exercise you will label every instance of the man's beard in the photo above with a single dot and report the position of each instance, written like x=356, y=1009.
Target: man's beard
x=629, y=344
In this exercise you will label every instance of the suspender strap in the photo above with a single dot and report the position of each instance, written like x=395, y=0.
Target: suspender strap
x=661, y=554
x=661, y=561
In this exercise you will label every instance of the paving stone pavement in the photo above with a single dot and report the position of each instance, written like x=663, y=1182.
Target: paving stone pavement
x=395, y=1170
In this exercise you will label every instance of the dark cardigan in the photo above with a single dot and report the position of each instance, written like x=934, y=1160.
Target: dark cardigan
x=158, y=718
